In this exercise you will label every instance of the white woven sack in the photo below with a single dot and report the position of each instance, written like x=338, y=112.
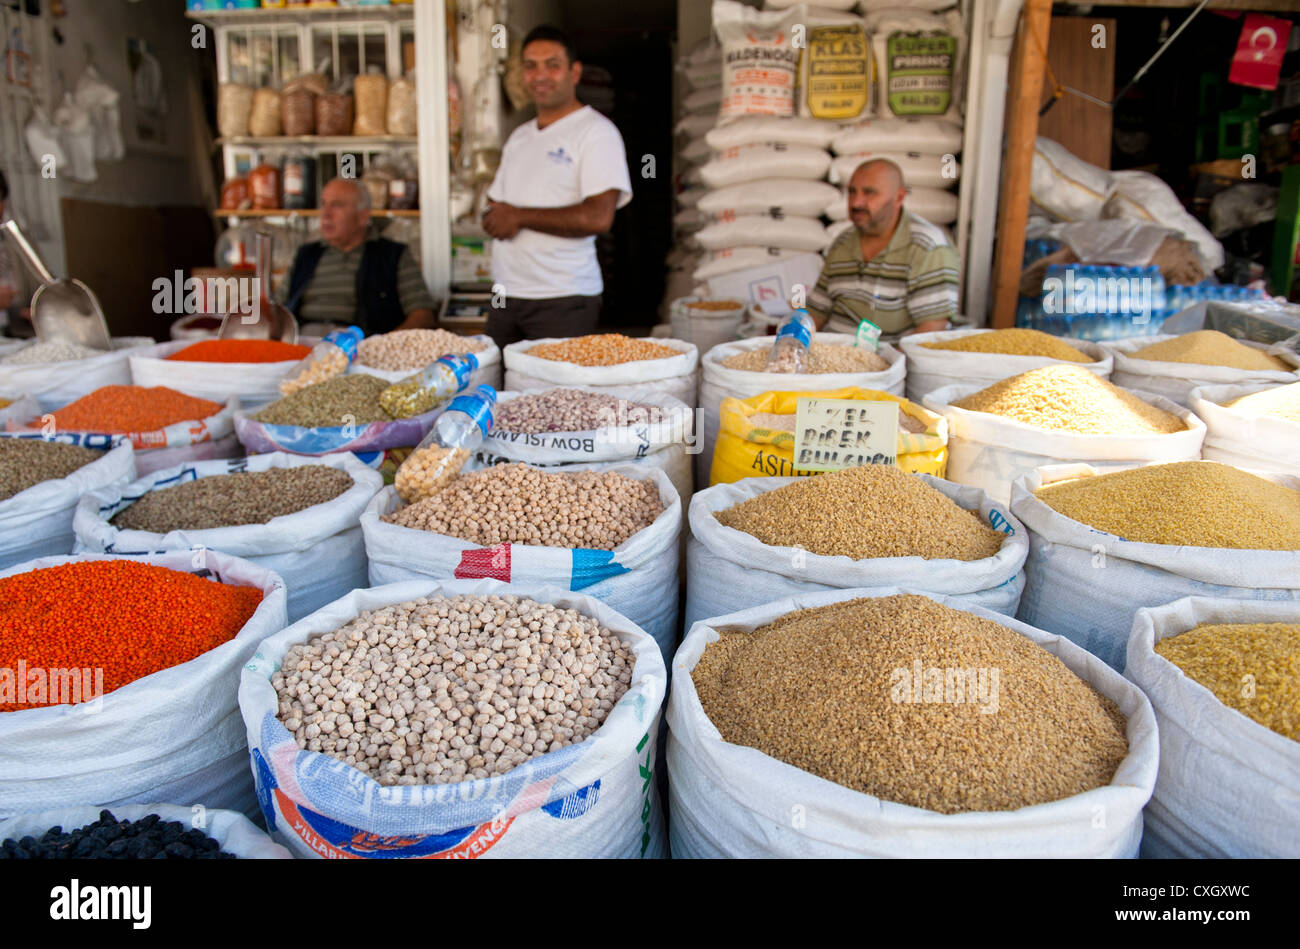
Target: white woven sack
x=1141, y=196
x=1227, y=785
x=1176, y=380
x=792, y=196
x=38, y=522
x=487, y=373
x=256, y=384
x=823, y=4
x=929, y=369
x=174, y=735
x=760, y=62
x=1257, y=442
x=719, y=382
x=693, y=126
x=234, y=832
x=933, y=204
x=734, y=801
x=696, y=152
x=751, y=162
x=919, y=171
x=763, y=129
x=916, y=90
x=1066, y=187
x=21, y=408
x=917, y=134
x=730, y=259
x=654, y=444
x=702, y=75
x=788, y=233
x=690, y=197
x=728, y=570
x=672, y=375
x=703, y=101
x=1086, y=584
x=318, y=552
x=991, y=451
x=638, y=577
x=594, y=799
x=56, y=384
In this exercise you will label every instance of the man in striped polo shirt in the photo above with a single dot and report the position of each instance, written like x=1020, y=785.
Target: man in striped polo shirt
x=345, y=278
x=892, y=267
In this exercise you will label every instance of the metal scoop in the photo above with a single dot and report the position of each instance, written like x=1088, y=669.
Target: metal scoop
x=262, y=318
x=65, y=311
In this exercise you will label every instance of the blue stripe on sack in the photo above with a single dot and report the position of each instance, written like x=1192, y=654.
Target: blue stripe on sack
x=592, y=566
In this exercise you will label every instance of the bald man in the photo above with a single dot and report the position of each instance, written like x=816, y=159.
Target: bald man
x=892, y=267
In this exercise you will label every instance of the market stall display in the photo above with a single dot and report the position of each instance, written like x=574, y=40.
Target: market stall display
x=873, y=526
x=1104, y=545
x=864, y=662
x=394, y=356
x=603, y=360
x=1254, y=426
x=1220, y=677
x=547, y=784
x=217, y=369
x=1172, y=366
x=157, y=721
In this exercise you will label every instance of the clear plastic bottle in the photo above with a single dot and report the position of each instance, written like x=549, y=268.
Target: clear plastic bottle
x=427, y=389
x=437, y=460
x=793, y=338
x=327, y=359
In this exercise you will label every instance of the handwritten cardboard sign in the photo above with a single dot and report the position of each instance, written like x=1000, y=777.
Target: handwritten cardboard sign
x=831, y=434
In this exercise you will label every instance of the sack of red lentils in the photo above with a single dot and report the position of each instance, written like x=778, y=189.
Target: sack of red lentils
x=36, y=516
x=317, y=548
x=508, y=782
x=145, y=709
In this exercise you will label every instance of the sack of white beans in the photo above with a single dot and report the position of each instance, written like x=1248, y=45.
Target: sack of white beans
x=1226, y=787
x=575, y=425
x=637, y=577
x=673, y=375
x=318, y=550
x=593, y=798
x=718, y=383
x=1087, y=584
x=1245, y=439
x=729, y=570
x=174, y=735
x=1176, y=380
x=732, y=800
x=487, y=373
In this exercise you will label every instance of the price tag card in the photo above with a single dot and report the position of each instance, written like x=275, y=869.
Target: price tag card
x=831, y=434
x=868, y=336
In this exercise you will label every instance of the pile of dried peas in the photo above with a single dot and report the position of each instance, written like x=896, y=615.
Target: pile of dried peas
x=122, y=409
x=128, y=618
x=25, y=462
x=602, y=349
x=1014, y=342
x=241, y=350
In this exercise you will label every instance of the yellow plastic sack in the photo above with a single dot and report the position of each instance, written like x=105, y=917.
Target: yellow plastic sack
x=744, y=450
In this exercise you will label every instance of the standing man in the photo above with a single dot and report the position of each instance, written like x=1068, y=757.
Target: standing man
x=892, y=267
x=562, y=177
x=345, y=278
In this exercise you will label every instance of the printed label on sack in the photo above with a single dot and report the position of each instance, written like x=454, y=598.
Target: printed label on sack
x=919, y=72
x=836, y=83
x=831, y=434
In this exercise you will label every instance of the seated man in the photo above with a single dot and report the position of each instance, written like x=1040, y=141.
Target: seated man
x=344, y=278
x=892, y=267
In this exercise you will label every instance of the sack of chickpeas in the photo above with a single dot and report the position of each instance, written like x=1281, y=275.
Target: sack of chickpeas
x=764, y=538
x=479, y=756
x=395, y=356
x=736, y=371
x=297, y=516
x=604, y=360
x=41, y=482
x=611, y=532
x=923, y=727
x=569, y=425
x=1220, y=675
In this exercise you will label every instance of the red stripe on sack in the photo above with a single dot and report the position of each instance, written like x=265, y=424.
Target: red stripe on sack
x=485, y=563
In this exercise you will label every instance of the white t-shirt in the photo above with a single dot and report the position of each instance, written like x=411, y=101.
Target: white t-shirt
x=561, y=165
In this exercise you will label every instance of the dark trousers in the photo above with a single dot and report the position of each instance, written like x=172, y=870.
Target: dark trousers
x=538, y=319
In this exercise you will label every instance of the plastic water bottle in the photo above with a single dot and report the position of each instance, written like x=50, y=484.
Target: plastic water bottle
x=327, y=359
x=793, y=337
x=443, y=452
x=430, y=387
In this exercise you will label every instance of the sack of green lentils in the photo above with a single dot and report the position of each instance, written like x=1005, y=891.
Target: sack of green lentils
x=592, y=793
x=729, y=569
x=172, y=735
x=303, y=525
x=637, y=576
x=43, y=481
x=1086, y=583
x=735, y=370
x=734, y=800
x=673, y=375
x=1226, y=787
x=56, y=374
x=235, y=833
x=1262, y=435
x=571, y=425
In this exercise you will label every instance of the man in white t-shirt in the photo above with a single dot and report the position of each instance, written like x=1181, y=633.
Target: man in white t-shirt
x=562, y=177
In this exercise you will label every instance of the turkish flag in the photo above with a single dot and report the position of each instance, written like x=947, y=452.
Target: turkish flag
x=1260, y=48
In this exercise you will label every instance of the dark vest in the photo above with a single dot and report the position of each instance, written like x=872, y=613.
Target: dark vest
x=379, y=306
